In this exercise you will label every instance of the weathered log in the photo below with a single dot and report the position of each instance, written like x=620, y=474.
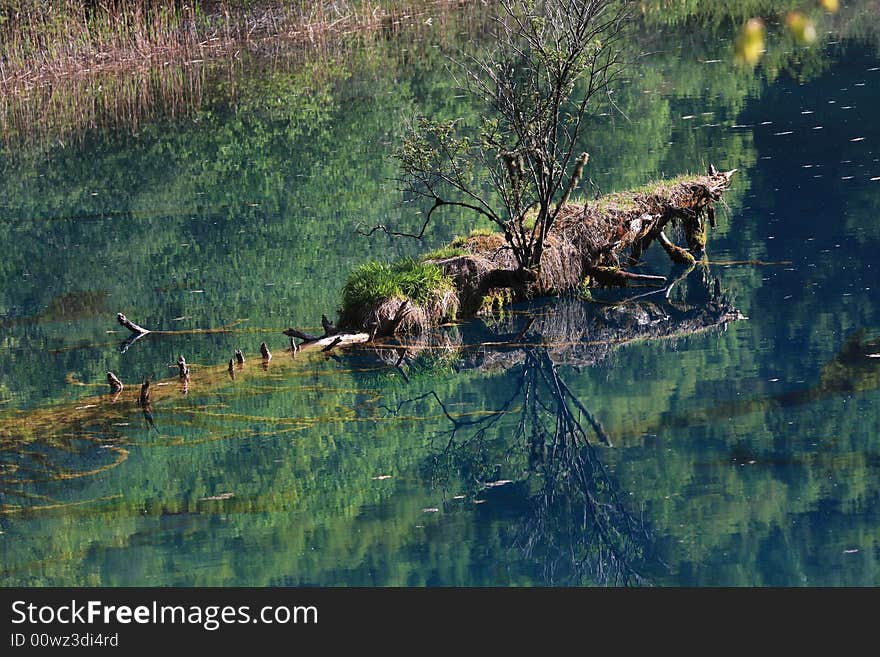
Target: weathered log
x=144, y=398
x=115, y=383
x=329, y=329
x=130, y=325
x=335, y=342
x=586, y=240
x=302, y=335
x=617, y=277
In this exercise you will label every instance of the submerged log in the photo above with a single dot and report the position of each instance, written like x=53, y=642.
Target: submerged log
x=115, y=383
x=144, y=397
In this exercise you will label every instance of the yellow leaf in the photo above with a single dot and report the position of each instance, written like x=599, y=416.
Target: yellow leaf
x=750, y=42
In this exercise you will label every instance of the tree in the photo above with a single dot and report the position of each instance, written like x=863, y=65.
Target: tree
x=539, y=82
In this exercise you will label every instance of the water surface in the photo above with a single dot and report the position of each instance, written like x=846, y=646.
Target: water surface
x=743, y=454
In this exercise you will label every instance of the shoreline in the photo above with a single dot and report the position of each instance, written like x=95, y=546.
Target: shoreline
x=186, y=41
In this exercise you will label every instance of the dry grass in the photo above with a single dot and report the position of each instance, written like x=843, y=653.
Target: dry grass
x=41, y=41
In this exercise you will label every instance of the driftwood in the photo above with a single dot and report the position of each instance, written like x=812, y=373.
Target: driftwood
x=130, y=325
x=115, y=383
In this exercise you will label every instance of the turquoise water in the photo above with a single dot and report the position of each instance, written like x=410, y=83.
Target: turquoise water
x=715, y=451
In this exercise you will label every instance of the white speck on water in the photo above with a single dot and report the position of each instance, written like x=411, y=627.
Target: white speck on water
x=847, y=177
x=875, y=179
x=853, y=551
x=773, y=380
x=689, y=116
x=785, y=132
x=807, y=112
x=785, y=298
x=196, y=291
x=818, y=127
x=832, y=102
x=766, y=123
x=859, y=84
x=858, y=139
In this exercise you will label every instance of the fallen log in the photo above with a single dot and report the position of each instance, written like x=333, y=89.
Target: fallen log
x=130, y=325
x=585, y=247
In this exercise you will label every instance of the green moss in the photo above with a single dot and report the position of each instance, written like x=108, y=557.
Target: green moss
x=448, y=251
x=374, y=282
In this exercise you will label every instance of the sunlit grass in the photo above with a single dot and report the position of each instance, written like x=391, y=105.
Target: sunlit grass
x=375, y=281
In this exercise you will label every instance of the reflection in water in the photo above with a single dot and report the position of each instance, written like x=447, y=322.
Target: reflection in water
x=577, y=526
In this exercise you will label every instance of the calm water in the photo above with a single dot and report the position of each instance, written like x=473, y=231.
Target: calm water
x=744, y=454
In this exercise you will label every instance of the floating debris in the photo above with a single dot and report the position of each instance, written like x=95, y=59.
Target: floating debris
x=217, y=498
x=381, y=477
x=500, y=482
x=431, y=509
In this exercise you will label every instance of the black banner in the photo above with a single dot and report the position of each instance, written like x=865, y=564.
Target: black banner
x=123, y=620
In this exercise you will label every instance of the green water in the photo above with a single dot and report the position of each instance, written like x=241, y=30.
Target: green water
x=744, y=454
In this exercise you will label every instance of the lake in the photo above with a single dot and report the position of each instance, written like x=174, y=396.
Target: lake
x=727, y=436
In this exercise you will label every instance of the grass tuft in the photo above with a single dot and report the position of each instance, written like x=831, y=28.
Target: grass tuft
x=374, y=282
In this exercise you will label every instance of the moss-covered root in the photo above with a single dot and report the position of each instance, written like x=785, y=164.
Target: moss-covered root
x=696, y=231
x=676, y=253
